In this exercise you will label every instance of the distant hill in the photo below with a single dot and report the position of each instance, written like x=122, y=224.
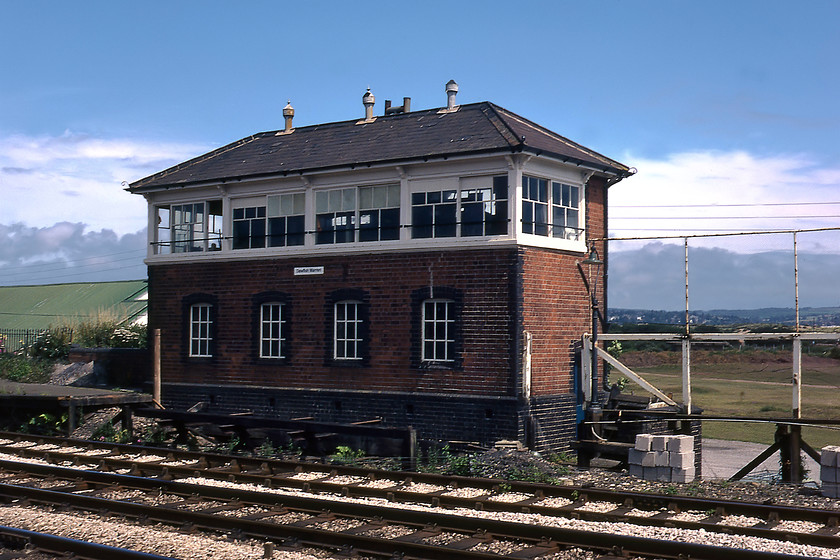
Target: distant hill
x=810, y=316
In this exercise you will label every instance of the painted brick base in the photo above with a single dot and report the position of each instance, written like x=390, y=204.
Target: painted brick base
x=552, y=424
x=484, y=420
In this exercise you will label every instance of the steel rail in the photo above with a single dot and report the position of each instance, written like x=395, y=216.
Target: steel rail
x=540, y=538
x=53, y=544
x=263, y=474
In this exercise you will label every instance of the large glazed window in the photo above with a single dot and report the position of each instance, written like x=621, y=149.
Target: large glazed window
x=190, y=227
x=478, y=208
x=484, y=211
x=201, y=330
x=434, y=214
x=379, y=213
x=565, y=202
x=550, y=208
x=249, y=227
x=286, y=220
x=335, y=216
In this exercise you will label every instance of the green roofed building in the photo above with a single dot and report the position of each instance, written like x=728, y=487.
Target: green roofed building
x=40, y=307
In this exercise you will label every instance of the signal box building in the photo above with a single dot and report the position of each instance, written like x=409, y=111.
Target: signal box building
x=418, y=266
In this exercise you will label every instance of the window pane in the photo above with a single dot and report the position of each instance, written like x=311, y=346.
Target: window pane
x=394, y=196
x=365, y=197
x=541, y=219
x=528, y=217
x=380, y=197
x=472, y=216
x=295, y=230
x=497, y=224
x=390, y=223
x=348, y=199
x=421, y=222
x=276, y=232
x=445, y=220
x=322, y=201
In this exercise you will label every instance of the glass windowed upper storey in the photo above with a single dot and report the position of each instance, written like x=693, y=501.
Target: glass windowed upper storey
x=480, y=207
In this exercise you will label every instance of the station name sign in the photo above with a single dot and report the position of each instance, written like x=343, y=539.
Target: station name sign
x=308, y=270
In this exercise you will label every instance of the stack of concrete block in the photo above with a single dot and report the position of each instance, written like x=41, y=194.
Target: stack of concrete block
x=662, y=458
x=830, y=471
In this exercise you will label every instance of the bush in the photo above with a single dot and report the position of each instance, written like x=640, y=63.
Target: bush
x=24, y=369
x=52, y=344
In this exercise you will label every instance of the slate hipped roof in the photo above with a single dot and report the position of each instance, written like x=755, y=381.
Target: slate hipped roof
x=477, y=128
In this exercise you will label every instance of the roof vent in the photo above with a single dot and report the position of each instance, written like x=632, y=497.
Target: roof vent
x=288, y=114
x=368, y=100
x=404, y=108
x=451, y=92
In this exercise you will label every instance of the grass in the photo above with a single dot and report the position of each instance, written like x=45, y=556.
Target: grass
x=752, y=384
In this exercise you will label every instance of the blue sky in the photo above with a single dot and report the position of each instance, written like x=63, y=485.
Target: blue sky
x=713, y=102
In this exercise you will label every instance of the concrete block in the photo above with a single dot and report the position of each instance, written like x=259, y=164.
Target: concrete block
x=661, y=458
x=659, y=443
x=829, y=474
x=635, y=457
x=663, y=474
x=829, y=456
x=681, y=460
x=637, y=471
x=643, y=442
x=643, y=458
x=649, y=473
x=680, y=444
x=683, y=475
x=831, y=489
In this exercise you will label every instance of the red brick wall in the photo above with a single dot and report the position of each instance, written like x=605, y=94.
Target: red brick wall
x=540, y=288
x=555, y=302
x=485, y=278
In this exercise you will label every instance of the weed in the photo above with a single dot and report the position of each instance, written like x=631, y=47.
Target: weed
x=107, y=432
x=45, y=423
x=23, y=369
x=346, y=455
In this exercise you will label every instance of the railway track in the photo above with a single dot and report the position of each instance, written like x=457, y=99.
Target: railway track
x=347, y=507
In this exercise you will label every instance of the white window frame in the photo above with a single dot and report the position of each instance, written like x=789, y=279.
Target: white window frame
x=551, y=204
x=193, y=236
x=343, y=327
x=269, y=323
x=349, y=209
x=447, y=323
x=201, y=330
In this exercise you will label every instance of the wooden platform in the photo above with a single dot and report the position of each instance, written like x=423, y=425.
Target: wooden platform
x=46, y=398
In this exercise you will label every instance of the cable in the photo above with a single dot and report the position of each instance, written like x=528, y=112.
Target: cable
x=745, y=205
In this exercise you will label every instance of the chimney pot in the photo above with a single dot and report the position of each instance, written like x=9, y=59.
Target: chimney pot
x=288, y=115
x=368, y=101
x=451, y=92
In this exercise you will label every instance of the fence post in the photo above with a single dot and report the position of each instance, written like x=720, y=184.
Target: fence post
x=156, y=366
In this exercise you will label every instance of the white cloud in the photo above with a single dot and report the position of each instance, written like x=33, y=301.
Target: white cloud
x=65, y=252
x=694, y=193
x=77, y=178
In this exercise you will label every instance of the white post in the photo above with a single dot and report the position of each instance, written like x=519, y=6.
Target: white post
x=586, y=368
x=796, y=279
x=686, y=373
x=156, y=367
x=797, y=377
x=526, y=367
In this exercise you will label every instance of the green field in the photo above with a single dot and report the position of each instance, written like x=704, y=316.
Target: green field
x=746, y=384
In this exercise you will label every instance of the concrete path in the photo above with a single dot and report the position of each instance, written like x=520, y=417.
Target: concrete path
x=722, y=459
